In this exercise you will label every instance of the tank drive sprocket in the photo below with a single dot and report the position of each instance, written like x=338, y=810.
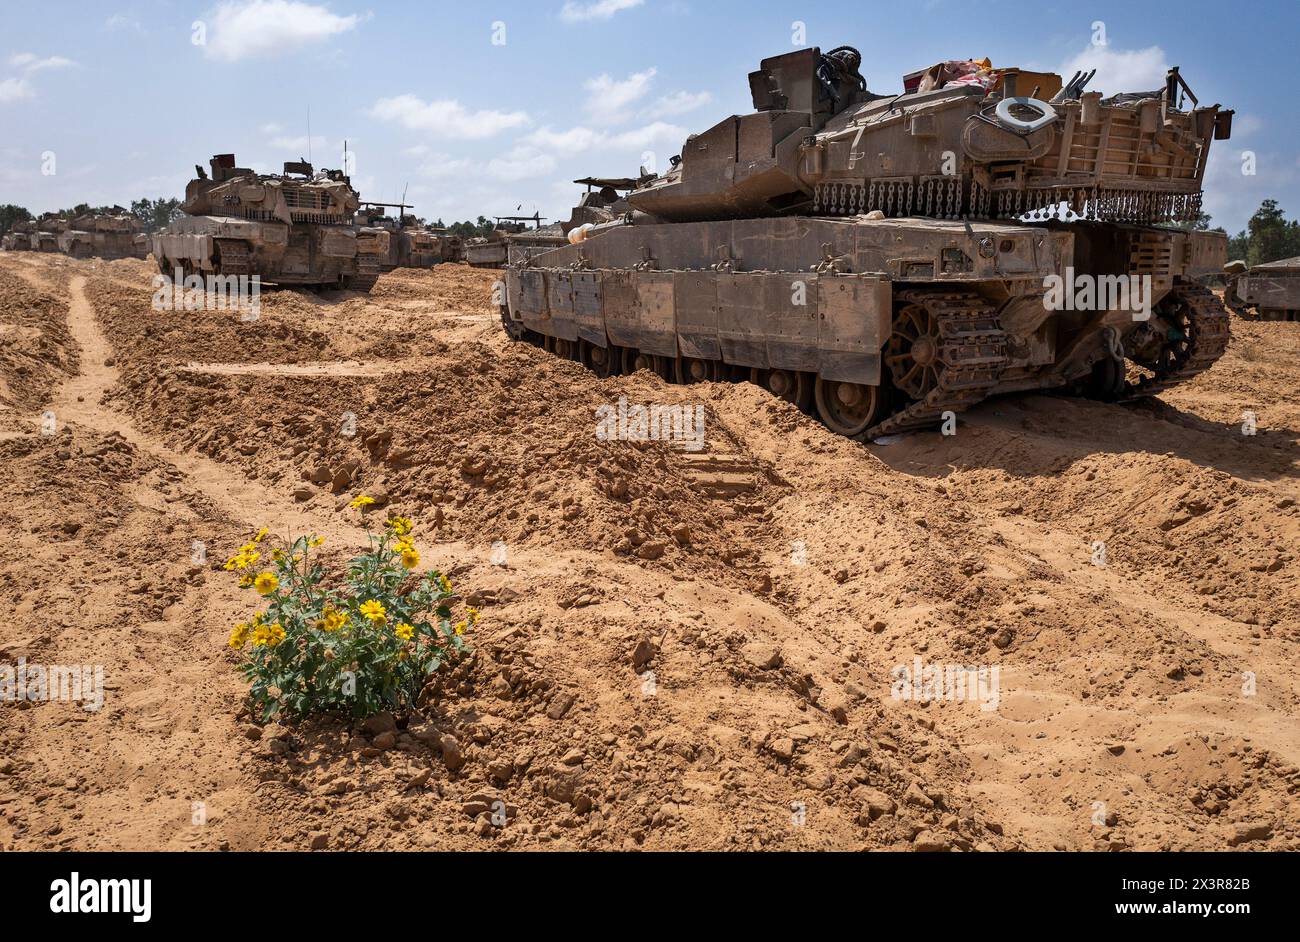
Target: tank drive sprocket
x=1197, y=337
x=946, y=352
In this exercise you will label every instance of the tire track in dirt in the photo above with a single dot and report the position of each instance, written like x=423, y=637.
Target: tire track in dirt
x=239, y=499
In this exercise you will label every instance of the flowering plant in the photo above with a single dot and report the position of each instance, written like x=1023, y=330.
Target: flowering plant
x=369, y=644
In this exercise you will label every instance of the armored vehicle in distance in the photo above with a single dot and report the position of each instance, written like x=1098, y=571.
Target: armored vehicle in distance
x=1269, y=292
x=294, y=230
x=104, y=235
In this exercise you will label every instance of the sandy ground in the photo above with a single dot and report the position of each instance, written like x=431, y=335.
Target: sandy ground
x=681, y=651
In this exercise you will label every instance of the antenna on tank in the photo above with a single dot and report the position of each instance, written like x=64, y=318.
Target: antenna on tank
x=309, y=134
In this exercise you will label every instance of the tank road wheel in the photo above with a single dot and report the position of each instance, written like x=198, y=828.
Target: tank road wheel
x=849, y=409
x=912, y=353
x=688, y=370
x=635, y=360
x=790, y=385
x=514, y=329
x=600, y=360
x=564, y=349
x=1106, y=383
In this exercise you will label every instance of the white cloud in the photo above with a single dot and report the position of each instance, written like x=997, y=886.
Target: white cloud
x=522, y=163
x=239, y=29
x=13, y=89
x=579, y=139
x=439, y=166
x=658, y=132
x=448, y=118
x=271, y=128
x=120, y=21
x=1120, y=70
x=608, y=99
x=678, y=103
x=574, y=12
x=299, y=145
x=30, y=63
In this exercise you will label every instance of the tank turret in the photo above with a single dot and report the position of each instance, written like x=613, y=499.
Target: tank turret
x=962, y=142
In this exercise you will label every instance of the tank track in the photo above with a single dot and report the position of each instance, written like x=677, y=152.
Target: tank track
x=235, y=258
x=367, y=275
x=973, y=350
x=1209, y=330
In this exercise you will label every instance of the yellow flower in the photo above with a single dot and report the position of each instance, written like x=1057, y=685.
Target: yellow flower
x=239, y=637
x=261, y=535
x=460, y=628
x=267, y=636
x=404, y=631
x=400, y=525
x=245, y=558
x=315, y=541
x=410, y=557
x=246, y=580
x=374, y=611
x=332, y=620
x=444, y=583
x=266, y=583
x=362, y=501
x=473, y=615
x=278, y=555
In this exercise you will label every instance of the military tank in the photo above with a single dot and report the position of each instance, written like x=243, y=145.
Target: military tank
x=110, y=236
x=292, y=230
x=410, y=243
x=512, y=241
x=45, y=232
x=604, y=201
x=19, y=237
x=887, y=259
x=1268, y=292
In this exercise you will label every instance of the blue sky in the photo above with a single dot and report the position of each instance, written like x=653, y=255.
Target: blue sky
x=483, y=106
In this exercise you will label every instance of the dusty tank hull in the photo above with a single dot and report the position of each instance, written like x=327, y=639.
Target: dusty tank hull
x=293, y=231
x=841, y=334
x=525, y=246
x=296, y=256
x=106, y=245
x=425, y=248
x=1268, y=292
x=487, y=253
x=818, y=249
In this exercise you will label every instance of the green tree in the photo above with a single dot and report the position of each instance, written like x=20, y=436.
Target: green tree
x=1271, y=235
x=155, y=214
x=10, y=214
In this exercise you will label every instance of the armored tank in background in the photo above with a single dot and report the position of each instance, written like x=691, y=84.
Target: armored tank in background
x=293, y=230
x=513, y=242
x=411, y=244
x=19, y=237
x=43, y=234
x=892, y=258
x=604, y=202
x=104, y=235
x=1269, y=292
